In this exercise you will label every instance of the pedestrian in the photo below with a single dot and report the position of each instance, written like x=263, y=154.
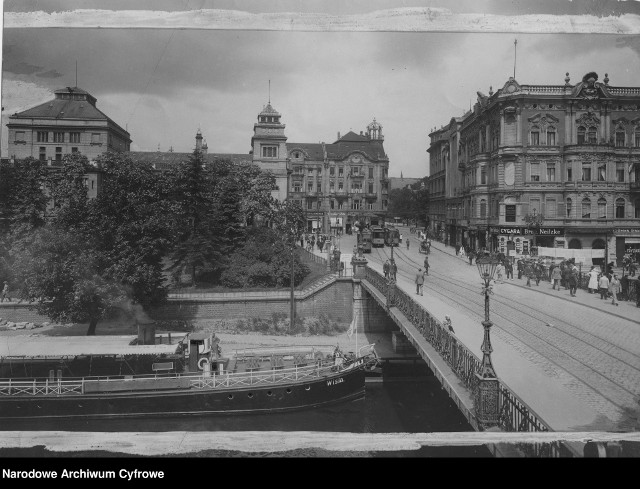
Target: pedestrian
x=565, y=275
x=500, y=272
x=520, y=267
x=457, y=250
x=419, y=281
x=341, y=269
x=385, y=269
x=632, y=270
x=471, y=255
x=313, y=241
x=556, y=276
x=509, y=270
x=603, y=284
x=401, y=237
x=407, y=244
x=538, y=272
x=393, y=270
x=573, y=281
x=624, y=285
x=593, y=280
x=5, y=292
x=462, y=252
x=614, y=289
x=426, y=265
x=528, y=271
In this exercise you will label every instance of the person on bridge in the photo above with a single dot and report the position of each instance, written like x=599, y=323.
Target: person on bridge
x=603, y=284
x=385, y=268
x=419, y=281
x=426, y=265
x=408, y=244
x=614, y=289
x=393, y=270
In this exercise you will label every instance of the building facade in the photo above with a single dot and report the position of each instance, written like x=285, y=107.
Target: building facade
x=67, y=124
x=544, y=165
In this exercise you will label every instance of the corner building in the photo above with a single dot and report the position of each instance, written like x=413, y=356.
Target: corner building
x=566, y=154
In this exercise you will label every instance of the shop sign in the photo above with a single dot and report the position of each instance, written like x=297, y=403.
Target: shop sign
x=626, y=230
x=542, y=231
x=632, y=248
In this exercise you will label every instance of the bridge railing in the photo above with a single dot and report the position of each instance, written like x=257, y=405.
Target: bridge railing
x=515, y=415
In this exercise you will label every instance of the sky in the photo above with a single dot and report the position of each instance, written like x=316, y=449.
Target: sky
x=164, y=84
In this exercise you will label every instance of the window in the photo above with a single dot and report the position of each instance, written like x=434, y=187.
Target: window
x=332, y=170
x=43, y=137
x=510, y=213
x=319, y=185
x=370, y=172
x=74, y=150
x=319, y=170
x=569, y=172
x=309, y=171
x=58, y=137
x=58, y=153
x=385, y=172
x=340, y=186
x=602, y=172
x=370, y=207
x=483, y=175
x=534, y=206
x=310, y=187
x=332, y=204
x=95, y=139
x=74, y=137
x=340, y=171
x=568, y=208
x=296, y=155
x=620, y=137
x=535, y=172
x=535, y=136
x=385, y=203
x=268, y=151
x=550, y=208
x=551, y=172
x=43, y=153
x=619, y=208
x=619, y=172
x=298, y=170
x=20, y=136
x=592, y=135
x=371, y=188
x=637, y=137
x=356, y=187
x=309, y=204
x=483, y=208
x=332, y=187
x=586, y=208
x=581, y=135
x=297, y=187
x=356, y=205
x=602, y=208
x=586, y=172
x=551, y=136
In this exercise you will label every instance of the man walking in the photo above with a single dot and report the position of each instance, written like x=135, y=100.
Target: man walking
x=426, y=265
x=470, y=255
x=509, y=269
x=393, y=270
x=573, y=280
x=555, y=277
x=603, y=285
x=385, y=269
x=419, y=281
x=614, y=288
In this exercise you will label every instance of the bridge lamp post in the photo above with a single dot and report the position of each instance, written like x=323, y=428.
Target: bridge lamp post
x=486, y=396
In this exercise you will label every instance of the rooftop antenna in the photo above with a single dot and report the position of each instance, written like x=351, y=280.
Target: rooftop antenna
x=515, y=48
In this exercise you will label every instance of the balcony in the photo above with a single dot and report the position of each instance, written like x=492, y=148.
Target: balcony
x=634, y=186
x=371, y=196
x=357, y=175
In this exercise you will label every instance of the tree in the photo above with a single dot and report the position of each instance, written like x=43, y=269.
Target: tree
x=411, y=203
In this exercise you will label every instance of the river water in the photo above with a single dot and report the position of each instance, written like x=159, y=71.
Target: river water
x=409, y=400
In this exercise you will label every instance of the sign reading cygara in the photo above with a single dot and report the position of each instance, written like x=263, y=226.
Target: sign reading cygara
x=541, y=231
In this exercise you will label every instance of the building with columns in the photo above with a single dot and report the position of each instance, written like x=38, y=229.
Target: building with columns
x=566, y=156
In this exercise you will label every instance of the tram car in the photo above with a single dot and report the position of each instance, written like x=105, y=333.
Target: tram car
x=364, y=240
x=391, y=236
x=377, y=237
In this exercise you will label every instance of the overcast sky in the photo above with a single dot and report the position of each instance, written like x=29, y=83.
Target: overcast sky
x=164, y=84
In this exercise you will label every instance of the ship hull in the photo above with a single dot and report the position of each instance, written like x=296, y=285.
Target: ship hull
x=344, y=386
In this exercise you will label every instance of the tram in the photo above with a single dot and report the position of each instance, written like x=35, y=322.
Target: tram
x=377, y=237
x=391, y=236
x=364, y=240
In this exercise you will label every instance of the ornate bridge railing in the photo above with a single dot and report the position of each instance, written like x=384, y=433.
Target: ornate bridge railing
x=515, y=415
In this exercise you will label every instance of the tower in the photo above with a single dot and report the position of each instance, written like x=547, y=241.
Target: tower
x=269, y=148
x=199, y=140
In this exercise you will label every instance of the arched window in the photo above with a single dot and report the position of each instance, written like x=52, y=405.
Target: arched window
x=620, y=208
x=593, y=135
x=586, y=208
x=551, y=136
x=483, y=208
x=534, y=138
x=569, y=207
x=581, y=134
x=602, y=208
x=620, y=136
x=598, y=244
x=575, y=244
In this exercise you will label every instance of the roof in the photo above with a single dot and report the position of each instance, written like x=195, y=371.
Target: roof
x=313, y=151
x=71, y=346
x=269, y=110
x=353, y=137
x=164, y=160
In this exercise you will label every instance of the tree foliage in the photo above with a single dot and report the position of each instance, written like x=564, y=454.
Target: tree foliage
x=410, y=203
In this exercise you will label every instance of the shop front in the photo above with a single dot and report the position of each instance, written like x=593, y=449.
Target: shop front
x=627, y=244
x=511, y=240
x=336, y=224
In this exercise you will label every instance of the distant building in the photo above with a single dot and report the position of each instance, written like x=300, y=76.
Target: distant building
x=67, y=124
x=402, y=182
x=566, y=154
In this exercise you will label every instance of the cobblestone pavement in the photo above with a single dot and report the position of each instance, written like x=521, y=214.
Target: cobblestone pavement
x=588, y=347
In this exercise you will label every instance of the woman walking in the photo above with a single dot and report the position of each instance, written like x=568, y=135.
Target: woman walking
x=593, y=279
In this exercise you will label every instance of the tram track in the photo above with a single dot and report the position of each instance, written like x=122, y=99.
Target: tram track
x=473, y=306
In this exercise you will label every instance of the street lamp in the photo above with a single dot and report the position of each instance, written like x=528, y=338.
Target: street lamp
x=487, y=409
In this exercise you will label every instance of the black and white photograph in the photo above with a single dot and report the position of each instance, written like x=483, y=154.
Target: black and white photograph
x=388, y=229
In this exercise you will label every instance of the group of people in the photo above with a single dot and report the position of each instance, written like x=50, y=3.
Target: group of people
x=390, y=269
x=607, y=283
x=313, y=239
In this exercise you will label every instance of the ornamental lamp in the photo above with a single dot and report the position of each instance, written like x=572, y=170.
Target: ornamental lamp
x=487, y=267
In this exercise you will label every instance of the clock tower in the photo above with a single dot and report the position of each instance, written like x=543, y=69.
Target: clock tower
x=269, y=148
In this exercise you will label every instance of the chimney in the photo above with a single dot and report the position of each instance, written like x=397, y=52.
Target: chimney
x=338, y=134
x=146, y=333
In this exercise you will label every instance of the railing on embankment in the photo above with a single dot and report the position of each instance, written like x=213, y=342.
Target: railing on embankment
x=515, y=415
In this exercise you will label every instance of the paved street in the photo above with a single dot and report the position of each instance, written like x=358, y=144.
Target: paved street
x=575, y=361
